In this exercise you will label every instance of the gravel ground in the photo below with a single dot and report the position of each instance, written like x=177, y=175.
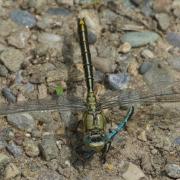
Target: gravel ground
x=133, y=43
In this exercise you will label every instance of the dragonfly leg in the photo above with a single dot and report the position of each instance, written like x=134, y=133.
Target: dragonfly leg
x=105, y=151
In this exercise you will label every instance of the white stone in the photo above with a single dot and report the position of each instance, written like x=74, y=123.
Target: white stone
x=133, y=173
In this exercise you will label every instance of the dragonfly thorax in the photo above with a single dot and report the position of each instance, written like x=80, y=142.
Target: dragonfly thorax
x=91, y=101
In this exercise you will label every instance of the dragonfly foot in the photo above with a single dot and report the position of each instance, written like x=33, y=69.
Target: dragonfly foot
x=104, y=152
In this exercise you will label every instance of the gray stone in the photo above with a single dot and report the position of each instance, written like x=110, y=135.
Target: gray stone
x=22, y=121
x=4, y=160
x=50, y=175
x=163, y=20
x=31, y=148
x=42, y=91
x=19, y=38
x=11, y=171
x=137, y=39
x=3, y=143
x=177, y=141
x=48, y=21
x=98, y=76
x=53, y=164
x=105, y=50
x=7, y=134
x=118, y=81
x=175, y=63
x=65, y=2
x=173, y=38
x=2, y=47
x=23, y=18
x=127, y=3
x=38, y=5
x=91, y=37
x=19, y=77
x=176, y=8
x=45, y=117
x=76, y=72
x=56, y=75
x=48, y=147
x=5, y=28
x=86, y=2
x=3, y=71
x=92, y=20
x=104, y=65
x=15, y=150
x=10, y=97
x=173, y=170
x=158, y=76
x=144, y=67
x=12, y=59
x=49, y=38
x=146, y=53
x=59, y=11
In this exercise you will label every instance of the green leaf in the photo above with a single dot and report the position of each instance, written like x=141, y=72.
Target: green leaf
x=59, y=90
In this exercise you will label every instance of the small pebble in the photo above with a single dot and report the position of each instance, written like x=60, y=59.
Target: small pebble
x=154, y=151
x=12, y=58
x=177, y=141
x=137, y=39
x=124, y=48
x=3, y=71
x=65, y=2
x=146, y=53
x=11, y=171
x=104, y=65
x=173, y=170
x=22, y=121
x=4, y=160
x=3, y=144
x=173, y=38
x=15, y=150
x=142, y=136
x=174, y=62
x=19, y=38
x=48, y=147
x=9, y=95
x=49, y=175
x=162, y=5
x=59, y=11
x=118, y=81
x=176, y=8
x=163, y=21
x=133, y=172
x=42, y=91
x=31, y=148
x=144, y=67
x=7, y=134
x=38, y=5
x=91, y=37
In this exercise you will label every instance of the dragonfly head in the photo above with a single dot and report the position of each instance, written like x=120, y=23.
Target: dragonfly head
x=95, y=142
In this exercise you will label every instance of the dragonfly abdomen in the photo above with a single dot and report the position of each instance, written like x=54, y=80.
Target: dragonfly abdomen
x=86, y=56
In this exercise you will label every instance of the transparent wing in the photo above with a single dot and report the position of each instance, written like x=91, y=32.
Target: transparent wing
x=61, y=103
x=160, y=93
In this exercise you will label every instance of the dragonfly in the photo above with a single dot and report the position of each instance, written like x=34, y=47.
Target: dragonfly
x=96, y=137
